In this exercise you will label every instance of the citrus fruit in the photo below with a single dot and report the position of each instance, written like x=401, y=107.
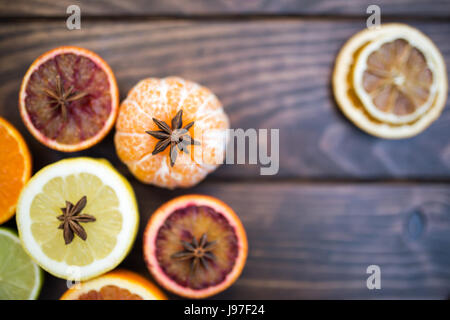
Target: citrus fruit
x=390, y=81
x=171, y=132
x=115, y=285
x=15, y=168
x=69, y=99
x=77, y=218
x=195, y=246
x=20, y=277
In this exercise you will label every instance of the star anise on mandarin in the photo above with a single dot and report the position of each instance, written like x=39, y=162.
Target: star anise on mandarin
x=198, y=251
x=177, y=137
x=72, y=218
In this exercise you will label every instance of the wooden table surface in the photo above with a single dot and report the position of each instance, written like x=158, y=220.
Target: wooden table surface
x=343, y=200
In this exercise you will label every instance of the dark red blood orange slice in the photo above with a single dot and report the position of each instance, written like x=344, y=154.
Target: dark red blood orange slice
x=109, y=292
x=195, y=246
x=69, y=99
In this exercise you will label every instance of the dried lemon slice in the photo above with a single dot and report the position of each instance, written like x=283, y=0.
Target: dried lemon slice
x=391, y=81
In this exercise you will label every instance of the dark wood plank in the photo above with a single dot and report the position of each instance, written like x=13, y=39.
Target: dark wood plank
x=268, y=74
x=435, y=8
x=316, y=241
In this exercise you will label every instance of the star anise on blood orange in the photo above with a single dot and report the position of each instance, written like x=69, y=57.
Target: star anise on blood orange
x=199, y=252
x=60, y=98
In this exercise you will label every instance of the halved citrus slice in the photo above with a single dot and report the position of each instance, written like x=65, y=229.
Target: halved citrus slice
x=20, y=277
x=115, y=285
x=15, y=168
x=77, y=218
x=69, y=99
x=195, y=246
x=396, y=76
x=390, y=81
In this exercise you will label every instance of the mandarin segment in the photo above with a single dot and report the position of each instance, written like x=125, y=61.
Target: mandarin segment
x=133, y=146
x=177, y=92
x=150, y=98
x=153, y=100
x=187, y=172
x=132, y=119
x=151, y=169
x=211, y=132
x=192, y=106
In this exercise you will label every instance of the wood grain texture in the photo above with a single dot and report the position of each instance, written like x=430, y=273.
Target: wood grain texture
x=20, y=8
x=316, y=241
x=268, y=74
x=307, y=239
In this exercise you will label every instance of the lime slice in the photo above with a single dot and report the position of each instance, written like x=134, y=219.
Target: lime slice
x=20, y=277
x=108, y=220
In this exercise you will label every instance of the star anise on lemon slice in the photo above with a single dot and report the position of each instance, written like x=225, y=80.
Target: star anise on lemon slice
x=197, y=251
x=177, y=137
x=71, y=219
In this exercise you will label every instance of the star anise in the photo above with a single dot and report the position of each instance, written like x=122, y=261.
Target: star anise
x=197, y=251
x=60, y=98
x=71, y=219
x=176, y=137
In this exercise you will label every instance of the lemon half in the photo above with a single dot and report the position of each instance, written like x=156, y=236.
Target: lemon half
x=110, y=199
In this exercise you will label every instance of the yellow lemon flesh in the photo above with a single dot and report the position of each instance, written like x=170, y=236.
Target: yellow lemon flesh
x=110, y=200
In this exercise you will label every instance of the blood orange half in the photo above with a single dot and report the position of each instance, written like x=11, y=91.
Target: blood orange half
x=195, y=246
x=69, y=99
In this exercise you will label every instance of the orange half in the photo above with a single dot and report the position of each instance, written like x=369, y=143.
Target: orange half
x=115, y=285
x=15, y=168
